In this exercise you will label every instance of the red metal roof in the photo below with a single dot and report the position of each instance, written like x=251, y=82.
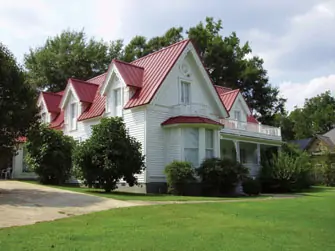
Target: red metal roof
x=52, y=101
x=252, y=119
x=222, y=89
x=85, y=90
x=228, y=98
x=190, y=120
x=157, y=65
x=98, y=105
x=131, y=74
x=57, y=123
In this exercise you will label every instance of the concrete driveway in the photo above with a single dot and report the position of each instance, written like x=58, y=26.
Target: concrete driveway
x=23, y=203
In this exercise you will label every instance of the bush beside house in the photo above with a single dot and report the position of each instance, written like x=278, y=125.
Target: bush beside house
x=49, y=154
x=287, y=171
x=108, y=156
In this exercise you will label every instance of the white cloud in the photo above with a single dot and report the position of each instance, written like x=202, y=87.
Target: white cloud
x=296, y=93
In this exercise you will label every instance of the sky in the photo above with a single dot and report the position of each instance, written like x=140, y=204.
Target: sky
x=296, y=39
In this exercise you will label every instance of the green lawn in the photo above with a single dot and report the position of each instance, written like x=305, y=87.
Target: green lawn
x=143, y=197
x=304, y=223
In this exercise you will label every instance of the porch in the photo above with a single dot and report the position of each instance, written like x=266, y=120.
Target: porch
x=246, y=152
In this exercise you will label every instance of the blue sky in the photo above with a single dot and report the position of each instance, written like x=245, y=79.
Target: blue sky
x=295, y=38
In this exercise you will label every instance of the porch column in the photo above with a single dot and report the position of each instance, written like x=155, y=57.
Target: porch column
x=258, y=154
x=237, y=148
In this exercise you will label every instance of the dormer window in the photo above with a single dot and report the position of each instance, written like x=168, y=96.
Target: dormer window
x=117, y=102
x=237, y=115
x=185, y=92
x=44, y=117
x=73, y=116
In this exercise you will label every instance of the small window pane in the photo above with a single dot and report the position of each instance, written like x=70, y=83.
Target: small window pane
x=191, y=138
x=185, y=92
x=117, y=97
x=191, y=155
x=209, y=139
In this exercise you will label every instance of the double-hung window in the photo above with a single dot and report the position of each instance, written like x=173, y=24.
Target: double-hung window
x=185, y=92
x=44, y=117
x=209, y=138
x=117, y=102
x=191, y=145
x=73, y=116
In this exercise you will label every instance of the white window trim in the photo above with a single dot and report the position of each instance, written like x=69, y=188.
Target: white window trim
x=184, y=146
x=181, y=80
x=212, y=148
x=73, y=121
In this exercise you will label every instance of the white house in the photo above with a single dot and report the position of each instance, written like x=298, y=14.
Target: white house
x=170, y=105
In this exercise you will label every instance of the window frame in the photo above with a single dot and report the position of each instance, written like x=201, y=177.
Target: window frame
x=73, y=115
x=182, y=92
x=211, y=131
x=185, y=148
x=243, y=155
x=117, y=101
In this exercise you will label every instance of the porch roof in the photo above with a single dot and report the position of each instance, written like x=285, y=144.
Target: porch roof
x=190, y=120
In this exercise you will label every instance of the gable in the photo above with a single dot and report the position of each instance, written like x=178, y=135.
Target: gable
x=188, y=68
x=240, y=105
x=69, y=95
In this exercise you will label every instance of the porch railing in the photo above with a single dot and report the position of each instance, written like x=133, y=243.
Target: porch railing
x=251, y=127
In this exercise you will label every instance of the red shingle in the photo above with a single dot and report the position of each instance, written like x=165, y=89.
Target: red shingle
x=52, y=101
x=85, y=90
x=131, y=74
x=189, y=120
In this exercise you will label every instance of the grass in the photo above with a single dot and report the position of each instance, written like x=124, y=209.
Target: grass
x=141, y=196
x=305, y=223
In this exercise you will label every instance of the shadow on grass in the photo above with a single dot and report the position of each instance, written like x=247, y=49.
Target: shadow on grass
x=315, y=191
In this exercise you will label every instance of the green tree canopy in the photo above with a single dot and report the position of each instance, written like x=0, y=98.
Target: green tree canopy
x=69, y=54
x=317, y=116
x=109, y=155
x=49, y=154
x=18, y=109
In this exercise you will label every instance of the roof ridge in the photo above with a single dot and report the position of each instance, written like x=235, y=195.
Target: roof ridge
x=229, y=92
x=97, y=76
x=52, y=93
x=126, y=63
x=83, y=81
x=164, y=48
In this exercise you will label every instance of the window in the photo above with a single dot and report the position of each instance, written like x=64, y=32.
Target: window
x=108, y=103
x=191, y=145
x=185, y=92
x=73, y=116
x=237, y=115
x=117, y=102
x=209, y=138
x=243, y=156
x=44, y=117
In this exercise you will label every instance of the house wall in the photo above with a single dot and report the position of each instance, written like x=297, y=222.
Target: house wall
x=164, y=145
x=237, y=106
x=18, y=164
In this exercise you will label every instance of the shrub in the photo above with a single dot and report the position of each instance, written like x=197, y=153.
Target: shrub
x=251, y=186
x=324, y=170
x=286, y=172
x=178, y=175
x=49, y=154
x=109, y=155
x=220, y=176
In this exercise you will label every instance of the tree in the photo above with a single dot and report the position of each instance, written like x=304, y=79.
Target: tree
x=18, y=109
x=49, y=154
x=317, y=116
x=229, y=64
x=109, y=155
x=69, y=54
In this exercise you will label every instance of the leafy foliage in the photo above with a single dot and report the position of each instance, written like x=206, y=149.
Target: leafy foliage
x=109, y=155
x=324, y=170
x=18, y=109
x=286, y=172
x=220, y=176
x=178, y=175
x=49, y=154
x=69, y=54
x=251, y=186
